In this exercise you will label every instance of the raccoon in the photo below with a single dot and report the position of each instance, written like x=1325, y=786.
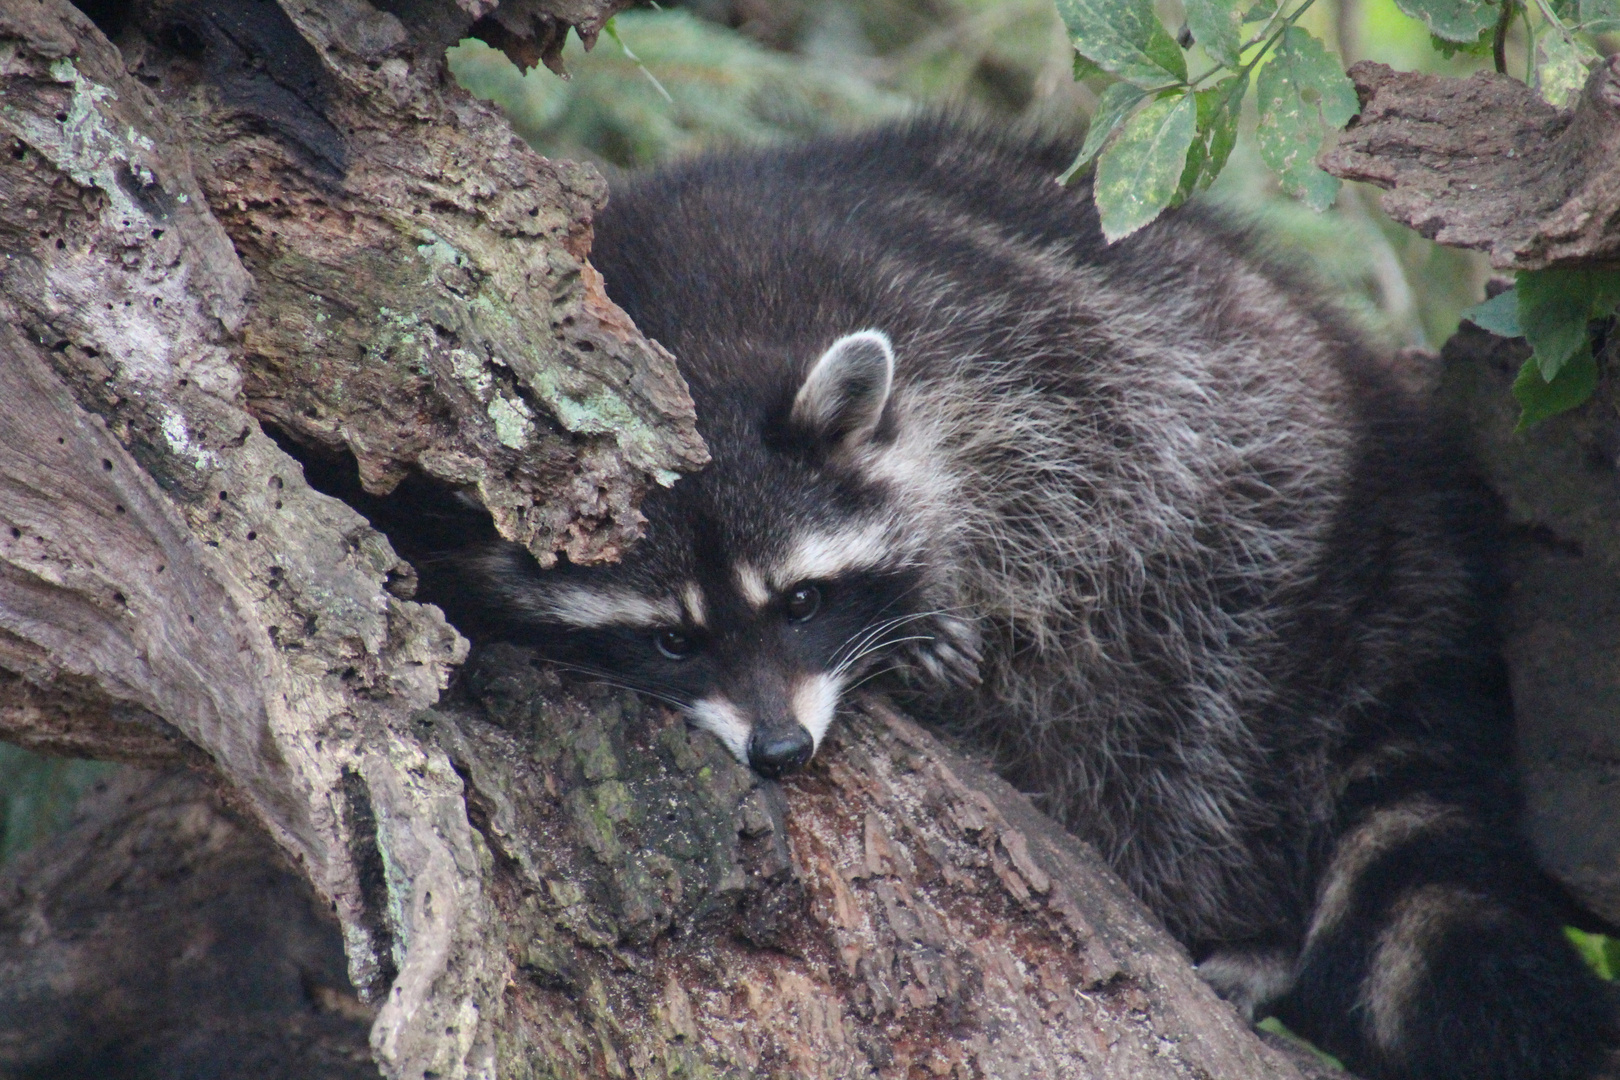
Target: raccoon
x=1147, y=522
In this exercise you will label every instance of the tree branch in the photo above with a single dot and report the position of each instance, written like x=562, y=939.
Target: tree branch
x=1484, y=163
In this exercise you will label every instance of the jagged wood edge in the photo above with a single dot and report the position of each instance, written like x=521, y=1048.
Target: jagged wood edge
x=424, y=299
x=161, y=558
x=1484, y=163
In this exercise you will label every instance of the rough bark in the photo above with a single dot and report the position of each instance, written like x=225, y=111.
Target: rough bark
x=252, y=213
x=422, y=298
x=1484, y=163
x=893, y=912
x=897, y=911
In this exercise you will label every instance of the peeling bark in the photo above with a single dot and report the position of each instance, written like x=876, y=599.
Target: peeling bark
x=1484, y=163
x=251, y=213
x=533, y=32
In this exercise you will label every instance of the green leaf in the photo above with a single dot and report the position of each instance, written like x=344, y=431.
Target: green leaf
x=1218, y=110
x=1480, y=46
x=1217, y=25
x=1126, y=38
x=1599, y=288
x=1540, y=399
x=1084, y=69
x=1261, y=11
x=1277, y=1027
x=1164, y=50
x=1301, y=89
x=1600, y=16
x=1138, y=174
x=1600, y=951
x=1499, y=315
x=1605, y=292
x=1453, y=20
x=1554, y=308
x=1112, y=106
x=1562, y=67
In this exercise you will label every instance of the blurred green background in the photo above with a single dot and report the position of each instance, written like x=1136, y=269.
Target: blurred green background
x=39, y=793
x=713, y=73
x=725, y=72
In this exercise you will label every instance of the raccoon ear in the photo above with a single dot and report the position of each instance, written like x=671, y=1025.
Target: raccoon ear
x=842, y=398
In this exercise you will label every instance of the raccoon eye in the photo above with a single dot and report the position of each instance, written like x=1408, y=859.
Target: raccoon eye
x=803, y=603
x=674, y=644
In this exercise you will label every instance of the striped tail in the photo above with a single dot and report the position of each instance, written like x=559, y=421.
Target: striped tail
x=1434, y=951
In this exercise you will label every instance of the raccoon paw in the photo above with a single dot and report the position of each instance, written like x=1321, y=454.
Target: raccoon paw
x=952, y=653
x=1250, y=978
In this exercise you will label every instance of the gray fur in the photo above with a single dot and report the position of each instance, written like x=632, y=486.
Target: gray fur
x=1156, y=531
x=1114, y=479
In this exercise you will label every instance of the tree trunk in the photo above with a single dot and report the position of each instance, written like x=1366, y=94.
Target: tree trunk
x=250, y=214
x=1560, y=489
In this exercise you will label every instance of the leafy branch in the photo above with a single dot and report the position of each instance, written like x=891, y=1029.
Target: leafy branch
x=1554, y=311
x=1158, y=136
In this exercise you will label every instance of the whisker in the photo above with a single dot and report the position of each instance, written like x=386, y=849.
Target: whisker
x=865, y=640
x=879, y=646
x=866, y=632
x=862, y=639
x=869, y=676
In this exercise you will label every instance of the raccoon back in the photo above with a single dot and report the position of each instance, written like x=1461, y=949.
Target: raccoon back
x=1195, y=521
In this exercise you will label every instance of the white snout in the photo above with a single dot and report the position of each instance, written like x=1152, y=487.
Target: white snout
x=814, y=702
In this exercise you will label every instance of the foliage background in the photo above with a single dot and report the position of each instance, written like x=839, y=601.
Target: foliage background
x=39, y=794
x=748, y=71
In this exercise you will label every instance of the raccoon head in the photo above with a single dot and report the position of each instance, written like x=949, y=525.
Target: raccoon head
x=767, y=585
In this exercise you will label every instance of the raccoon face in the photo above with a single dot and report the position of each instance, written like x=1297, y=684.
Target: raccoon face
x=767, y=585
x=761, y=667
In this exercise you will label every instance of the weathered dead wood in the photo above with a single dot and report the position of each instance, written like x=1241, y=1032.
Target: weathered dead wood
x=896, y=911
x=533, y=32
x=1484, y=163
x=422, y=295
x=60, y=720
x=288, y=213
x=161, y=557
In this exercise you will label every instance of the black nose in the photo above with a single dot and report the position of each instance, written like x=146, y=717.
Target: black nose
x=777, y=751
